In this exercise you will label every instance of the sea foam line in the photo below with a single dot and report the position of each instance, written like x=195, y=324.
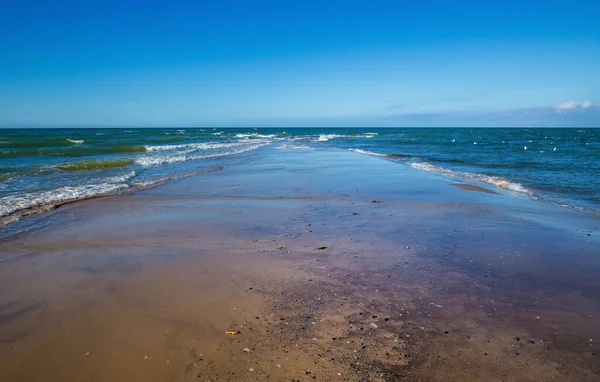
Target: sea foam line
x=14, y=203
x=195, y=146
x=367, y=152
x=169, y=159
x=495, y=180
x=254, y=135
x=328, y=137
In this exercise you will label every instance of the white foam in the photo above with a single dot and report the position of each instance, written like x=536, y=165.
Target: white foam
x=327, y=137
x=76, y=141
x=367, y=152
x=495, y=180
x=169, y=159
x=13, y=203
x=193, y=146
x=254, y=135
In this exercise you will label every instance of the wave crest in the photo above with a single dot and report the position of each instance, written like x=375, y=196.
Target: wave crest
x=14, y=203
x=495, y=180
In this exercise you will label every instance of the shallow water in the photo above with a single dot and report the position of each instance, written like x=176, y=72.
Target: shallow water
x=50, y=166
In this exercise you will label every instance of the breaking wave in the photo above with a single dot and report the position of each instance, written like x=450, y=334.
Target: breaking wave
x=13, y=203
x=495, y=180
x=169, y=159
x=367, y=152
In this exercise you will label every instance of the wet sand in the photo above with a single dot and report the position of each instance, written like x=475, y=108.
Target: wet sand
x=331, y=265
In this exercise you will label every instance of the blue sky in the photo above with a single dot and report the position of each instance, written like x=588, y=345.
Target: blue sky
x=299, y=63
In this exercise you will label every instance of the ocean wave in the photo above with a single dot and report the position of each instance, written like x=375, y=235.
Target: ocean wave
x=367, y=152
x=254, y=135
x=194, y=146
x=94, y=165
x=73, y=151
x=35, y=143
x=14, y=203
x=76, y=141
x=495, y=180
x=327, y=137
x=169, y=159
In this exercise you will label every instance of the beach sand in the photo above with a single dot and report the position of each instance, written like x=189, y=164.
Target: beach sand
x=332, y=265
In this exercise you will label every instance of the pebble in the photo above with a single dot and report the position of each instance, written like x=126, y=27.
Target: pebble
x=246, y=350
x=374, y=325
x=251, y=369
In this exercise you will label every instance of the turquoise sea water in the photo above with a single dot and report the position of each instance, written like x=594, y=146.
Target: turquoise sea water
x=40, y=167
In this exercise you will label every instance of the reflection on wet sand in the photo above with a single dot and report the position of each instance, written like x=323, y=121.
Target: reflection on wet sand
x=431, y=283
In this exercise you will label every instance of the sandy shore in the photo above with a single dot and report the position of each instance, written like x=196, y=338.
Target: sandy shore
x=331, y=265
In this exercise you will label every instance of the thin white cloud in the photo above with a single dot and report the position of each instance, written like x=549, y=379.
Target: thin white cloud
x=575, y=105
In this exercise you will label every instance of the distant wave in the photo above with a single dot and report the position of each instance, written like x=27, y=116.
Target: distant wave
x=169, y=159
x=194, y=146
x=73, y=151
x=495, y=180
x=75, y=141
x=255, y=135
x=37, y=143
x=327, y=137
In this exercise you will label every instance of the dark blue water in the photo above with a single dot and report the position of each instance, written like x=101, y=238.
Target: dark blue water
x=49, y=166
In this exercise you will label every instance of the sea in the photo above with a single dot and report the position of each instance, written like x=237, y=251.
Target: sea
x=43, y=168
